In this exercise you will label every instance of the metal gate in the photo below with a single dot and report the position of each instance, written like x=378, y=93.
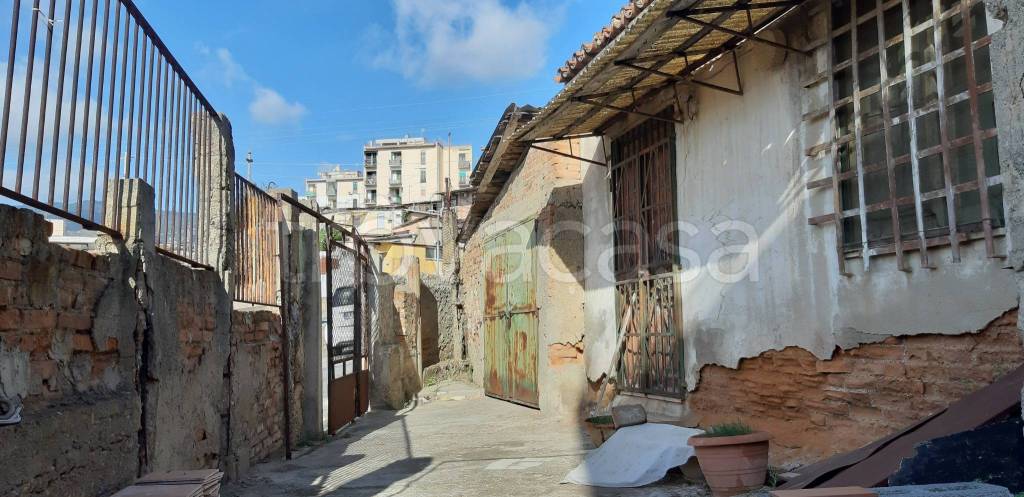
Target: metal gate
x=510, y=316
x=347, y=279
x=350, y=298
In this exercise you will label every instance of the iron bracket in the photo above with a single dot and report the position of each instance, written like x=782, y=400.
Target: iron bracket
x=568, y=156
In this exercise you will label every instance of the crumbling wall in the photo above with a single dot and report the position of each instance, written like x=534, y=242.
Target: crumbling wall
x=121, y=358
x=816, y=408
x=547, y=189
x=187, y=346
x=67, y=350
x=257, y=396
x=1007, y=54
x=441, y=289
x=394, y=378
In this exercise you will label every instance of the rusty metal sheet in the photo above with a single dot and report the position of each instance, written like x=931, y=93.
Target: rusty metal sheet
x=341, y=409
x=510, y=316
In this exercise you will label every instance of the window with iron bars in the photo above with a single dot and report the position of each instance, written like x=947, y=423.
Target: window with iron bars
x=644, y=215
x=915, y=149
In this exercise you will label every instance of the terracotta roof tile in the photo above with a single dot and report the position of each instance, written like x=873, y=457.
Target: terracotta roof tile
x=587, y=51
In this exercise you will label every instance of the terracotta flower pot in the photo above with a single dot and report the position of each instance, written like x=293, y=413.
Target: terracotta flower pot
x=733, y=465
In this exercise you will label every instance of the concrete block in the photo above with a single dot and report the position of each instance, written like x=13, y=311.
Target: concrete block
x=629, y=415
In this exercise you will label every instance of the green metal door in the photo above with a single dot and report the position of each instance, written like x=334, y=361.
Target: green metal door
x=510, y=316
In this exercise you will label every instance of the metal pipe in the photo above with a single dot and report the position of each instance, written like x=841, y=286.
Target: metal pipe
x=44, y=88
x=10, y=83
x=23, y=136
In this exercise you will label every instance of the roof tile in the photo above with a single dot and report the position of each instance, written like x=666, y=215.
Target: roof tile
x=587, y=51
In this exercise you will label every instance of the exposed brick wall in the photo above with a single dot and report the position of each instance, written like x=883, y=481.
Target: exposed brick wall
x=69, y=371
x=70, y=325
x=546, y=188
x=817, y=408
x=257, y=414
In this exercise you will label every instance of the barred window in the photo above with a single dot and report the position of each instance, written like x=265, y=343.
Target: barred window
x=643, y=199
x=915, y=145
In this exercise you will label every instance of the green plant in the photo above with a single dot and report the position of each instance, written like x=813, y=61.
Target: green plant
x=772, y=480
x=600, y=420
x=729, y=430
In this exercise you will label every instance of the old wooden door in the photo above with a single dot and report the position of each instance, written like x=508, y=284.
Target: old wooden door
x=510, y=316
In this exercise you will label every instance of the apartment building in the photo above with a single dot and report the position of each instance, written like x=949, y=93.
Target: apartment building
x=337, y=189
x=402, y=171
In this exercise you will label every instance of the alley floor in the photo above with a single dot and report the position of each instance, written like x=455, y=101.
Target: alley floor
x=460, y=443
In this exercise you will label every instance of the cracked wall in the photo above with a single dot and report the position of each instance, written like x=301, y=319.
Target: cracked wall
x=817, y=408
x=1008, y=82
x=121, y=359
x=74, y=373
x=741, y=162
x=548, y=189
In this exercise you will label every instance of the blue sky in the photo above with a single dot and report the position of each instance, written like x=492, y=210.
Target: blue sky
x=310, y=82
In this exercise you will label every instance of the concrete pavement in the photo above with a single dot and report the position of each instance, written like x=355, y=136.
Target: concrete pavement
x=454, y=442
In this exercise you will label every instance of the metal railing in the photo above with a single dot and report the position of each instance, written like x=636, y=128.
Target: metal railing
x=257, y=268
x=105, y=101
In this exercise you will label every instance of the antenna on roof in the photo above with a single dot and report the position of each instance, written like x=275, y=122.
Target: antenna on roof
x=248, y=164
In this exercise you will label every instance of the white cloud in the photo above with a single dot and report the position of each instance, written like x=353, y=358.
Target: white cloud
x=269, y=107
x=449, y=41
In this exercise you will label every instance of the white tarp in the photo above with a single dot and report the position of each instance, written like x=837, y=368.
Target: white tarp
x=635, y=456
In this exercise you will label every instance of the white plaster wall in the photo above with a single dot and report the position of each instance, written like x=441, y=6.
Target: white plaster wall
x=741, y=159
x=599, y=300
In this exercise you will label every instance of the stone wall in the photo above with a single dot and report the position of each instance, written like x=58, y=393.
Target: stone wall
x=441, y=289
x=126, y=362
x=815, y=408
x=75, y=374
x=257, y=415
x=394, y=377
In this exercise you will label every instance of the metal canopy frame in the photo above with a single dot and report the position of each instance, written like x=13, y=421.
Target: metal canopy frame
x=588, y=101
x=605, y=100
x=697, y=11
x=690, y=81
x=568, y=155
x=747, y=35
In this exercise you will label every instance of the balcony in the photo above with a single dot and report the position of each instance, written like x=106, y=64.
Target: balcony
x=371, y=200
x=395, y=180
x=370, y=163
x=395, y=200
x=395, y=162
x=371, y=181
x=464, y=164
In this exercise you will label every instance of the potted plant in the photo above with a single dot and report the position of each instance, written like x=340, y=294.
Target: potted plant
x=733, y=458
x=600, y=429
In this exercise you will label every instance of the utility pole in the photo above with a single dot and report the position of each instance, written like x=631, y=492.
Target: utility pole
x=248, y=165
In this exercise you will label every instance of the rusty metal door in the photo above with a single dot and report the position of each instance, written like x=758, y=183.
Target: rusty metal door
x=510, y=316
